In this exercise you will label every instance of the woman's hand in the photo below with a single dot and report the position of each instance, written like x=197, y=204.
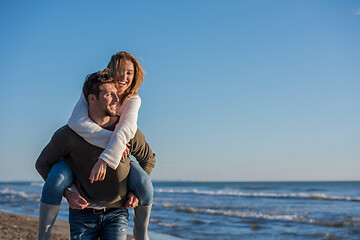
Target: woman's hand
x=99, y=171
x=125, y=153
x=75, y=200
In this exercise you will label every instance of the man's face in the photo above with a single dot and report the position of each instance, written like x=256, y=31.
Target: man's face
x=125, y=76
x=107, y=100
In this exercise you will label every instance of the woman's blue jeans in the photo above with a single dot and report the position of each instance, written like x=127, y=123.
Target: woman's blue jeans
x=61, y=177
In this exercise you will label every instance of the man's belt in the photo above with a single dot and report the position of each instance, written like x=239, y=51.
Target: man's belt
x=95, y=210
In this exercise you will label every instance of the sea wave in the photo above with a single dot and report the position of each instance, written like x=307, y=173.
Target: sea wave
x=8, y=193
x=304, y=196
x=297, y=218
x=163, y=224
x=37, y=184
x=258, y=187
x=169, y=225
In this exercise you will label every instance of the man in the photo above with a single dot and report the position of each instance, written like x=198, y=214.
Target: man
x=99, y=209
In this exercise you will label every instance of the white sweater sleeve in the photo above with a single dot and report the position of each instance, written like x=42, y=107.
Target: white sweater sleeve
x=124, y=131
x=113, y=142
x=81, y=123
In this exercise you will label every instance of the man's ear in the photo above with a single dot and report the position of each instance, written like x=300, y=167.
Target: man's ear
x=92, y=98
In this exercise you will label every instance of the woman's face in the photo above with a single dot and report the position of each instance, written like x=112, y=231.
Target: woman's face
x=125, y=75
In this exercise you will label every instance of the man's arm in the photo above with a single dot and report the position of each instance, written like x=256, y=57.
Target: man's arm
x=52, y=153
x=47, y=158
x=141, y=151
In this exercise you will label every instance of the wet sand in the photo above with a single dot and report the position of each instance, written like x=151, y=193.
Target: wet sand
x=21, y=227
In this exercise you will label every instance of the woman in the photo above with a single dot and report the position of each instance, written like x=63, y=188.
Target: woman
x=129, y=75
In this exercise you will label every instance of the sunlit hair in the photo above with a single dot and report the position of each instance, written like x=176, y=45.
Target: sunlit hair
x=95, y=80
x=114, y=65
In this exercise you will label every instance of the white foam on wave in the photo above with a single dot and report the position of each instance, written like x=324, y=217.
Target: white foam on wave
x=269, y=216
x=314, y=196
x=37, y=184
x=240, y=214
x=11, y=192
x=249, y=214
x=164, y=224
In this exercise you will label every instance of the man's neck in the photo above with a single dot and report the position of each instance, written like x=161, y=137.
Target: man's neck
x=101, y=119
x=104, y=122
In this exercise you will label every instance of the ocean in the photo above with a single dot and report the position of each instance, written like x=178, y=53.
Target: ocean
x=231, y=210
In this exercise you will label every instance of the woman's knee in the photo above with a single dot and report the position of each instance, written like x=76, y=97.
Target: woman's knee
x=58, y=181
x=144, y=184
x=140, y=183
x=144, y=191
x=60, y=175
x=59, y=178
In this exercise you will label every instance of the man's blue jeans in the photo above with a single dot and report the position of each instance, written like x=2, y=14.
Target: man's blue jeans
x=109, y=225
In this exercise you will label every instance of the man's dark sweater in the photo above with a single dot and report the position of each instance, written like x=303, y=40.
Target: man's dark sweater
x=82, y=156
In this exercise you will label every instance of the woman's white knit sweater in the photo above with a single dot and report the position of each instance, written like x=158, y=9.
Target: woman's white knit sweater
x=113, y=142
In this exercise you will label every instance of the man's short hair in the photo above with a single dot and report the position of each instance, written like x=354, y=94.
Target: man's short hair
x=95, y=80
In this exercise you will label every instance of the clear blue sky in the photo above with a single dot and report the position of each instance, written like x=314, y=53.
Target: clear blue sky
x=234, y=90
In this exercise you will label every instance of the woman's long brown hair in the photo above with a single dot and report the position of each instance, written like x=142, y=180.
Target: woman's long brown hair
x=114, y=65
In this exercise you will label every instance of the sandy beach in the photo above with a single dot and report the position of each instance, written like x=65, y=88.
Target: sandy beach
x=25, y=227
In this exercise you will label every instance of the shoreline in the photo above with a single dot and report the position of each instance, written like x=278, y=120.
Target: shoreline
x=17, y=226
